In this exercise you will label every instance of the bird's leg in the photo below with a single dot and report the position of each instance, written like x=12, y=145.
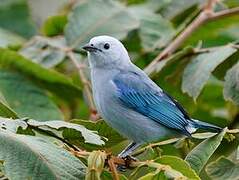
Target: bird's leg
x=128, y=150
x=125, y=154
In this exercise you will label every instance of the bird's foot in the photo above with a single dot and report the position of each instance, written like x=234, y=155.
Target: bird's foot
x=127, y=159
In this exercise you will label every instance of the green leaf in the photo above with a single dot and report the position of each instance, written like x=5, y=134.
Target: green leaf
x=231, y=86
x=103, y=129
x=106, y=175
x=54, y=25
x=27, y=99
x=179, y=165
x=199, y=156
x=161, y=171
x=231, y=3
x=169, y=76
x=170, y=66
x=155, y=5
x=49, y=79
x=222, y=169
x=211, y=106
x=54, y=128
x=198, y=71
x=212, y=33
x=6, y=111
x=68, y=130
x=203, y=135
x=15, y=17
x=8, y=38
x=29, y=157
x=175, y=10
x=222, y=69
x=154, y=30
x=154, y=176
x=101, y=17
x=45, y=51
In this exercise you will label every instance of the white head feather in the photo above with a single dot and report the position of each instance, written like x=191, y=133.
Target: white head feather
x=107, y=52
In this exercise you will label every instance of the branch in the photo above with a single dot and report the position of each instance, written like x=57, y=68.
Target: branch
x=207, y=14
x=168, y=170
x=113, y=169
x=168, y=141
x=225, y=13
x=173, y=140
x=86, y=84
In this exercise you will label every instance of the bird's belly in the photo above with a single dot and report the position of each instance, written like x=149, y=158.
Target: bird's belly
x=132, y=124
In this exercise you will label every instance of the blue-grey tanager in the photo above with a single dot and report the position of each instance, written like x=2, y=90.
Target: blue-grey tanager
x=130, y=102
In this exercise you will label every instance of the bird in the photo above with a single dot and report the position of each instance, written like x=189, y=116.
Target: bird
x=130, y=102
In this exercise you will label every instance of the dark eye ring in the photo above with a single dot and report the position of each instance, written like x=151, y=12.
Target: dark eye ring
x=106, y=46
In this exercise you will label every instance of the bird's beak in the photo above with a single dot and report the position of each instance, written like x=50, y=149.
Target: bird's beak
x=89, y=48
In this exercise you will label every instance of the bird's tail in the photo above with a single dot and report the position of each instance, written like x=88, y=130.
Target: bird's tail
x=206, y=126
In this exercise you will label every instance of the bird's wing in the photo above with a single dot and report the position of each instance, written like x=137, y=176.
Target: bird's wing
x=139, y=93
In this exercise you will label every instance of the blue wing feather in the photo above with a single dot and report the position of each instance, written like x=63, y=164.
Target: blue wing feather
x=141, y=94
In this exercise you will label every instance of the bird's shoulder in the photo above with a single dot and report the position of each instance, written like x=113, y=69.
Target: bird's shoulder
x=135, y=79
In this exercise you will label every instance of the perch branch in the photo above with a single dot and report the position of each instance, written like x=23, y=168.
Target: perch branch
x=113, y=169
x=86, y=85
x=207, y=14
x=168, y=141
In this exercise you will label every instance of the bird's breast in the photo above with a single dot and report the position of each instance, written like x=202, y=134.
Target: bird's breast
x=103, y=89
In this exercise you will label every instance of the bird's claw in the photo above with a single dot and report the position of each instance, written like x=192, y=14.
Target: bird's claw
x=127, y=159
x=121, y=168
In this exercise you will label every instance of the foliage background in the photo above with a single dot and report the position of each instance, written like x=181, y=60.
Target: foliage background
x=48, y=124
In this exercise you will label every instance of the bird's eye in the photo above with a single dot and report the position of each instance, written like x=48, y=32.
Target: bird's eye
x=106, y=46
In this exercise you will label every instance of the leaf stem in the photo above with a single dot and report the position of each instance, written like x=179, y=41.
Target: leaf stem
x=207, y=14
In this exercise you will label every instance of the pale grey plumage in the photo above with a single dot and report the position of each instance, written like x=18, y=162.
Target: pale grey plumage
x=128, y=122
x=130, y=101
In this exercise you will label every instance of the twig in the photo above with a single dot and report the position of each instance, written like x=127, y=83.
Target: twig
x=113, y=169
x=232, y=131
x=235, y=46
x=206, y=50
x=207, y=14
x=225, y=13
x=168, y=170
x=168, y=141
x=79, y=153
x=118, y=160
x=86, y=84
x=173, y=140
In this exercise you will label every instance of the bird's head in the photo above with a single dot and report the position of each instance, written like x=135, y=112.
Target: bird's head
x=106, y=51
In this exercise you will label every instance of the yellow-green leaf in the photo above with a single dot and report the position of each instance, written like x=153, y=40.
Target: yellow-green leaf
x=199, y=156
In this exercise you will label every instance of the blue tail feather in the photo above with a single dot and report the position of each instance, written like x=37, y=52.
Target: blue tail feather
x=206, y=126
